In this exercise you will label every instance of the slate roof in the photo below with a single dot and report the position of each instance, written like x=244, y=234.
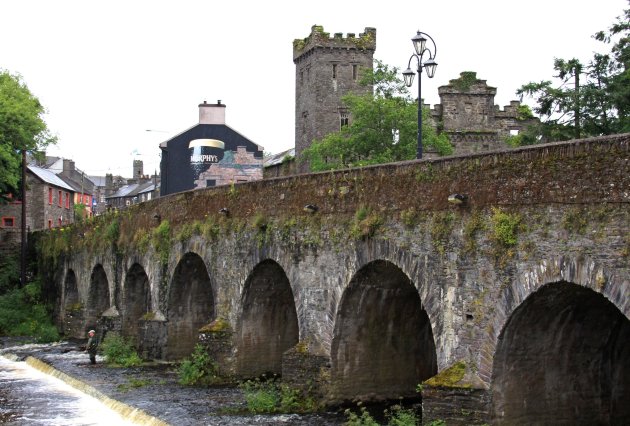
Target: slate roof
x=50, y=177
x=279, y=157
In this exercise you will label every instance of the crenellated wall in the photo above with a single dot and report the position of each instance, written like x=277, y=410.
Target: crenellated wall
x=377, y=283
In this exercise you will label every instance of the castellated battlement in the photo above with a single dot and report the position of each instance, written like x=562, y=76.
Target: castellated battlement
x=321, y=39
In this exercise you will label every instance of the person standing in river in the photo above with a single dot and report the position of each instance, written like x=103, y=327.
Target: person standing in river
x=92, y=345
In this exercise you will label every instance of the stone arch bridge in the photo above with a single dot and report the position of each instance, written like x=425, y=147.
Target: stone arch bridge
x=512, y=306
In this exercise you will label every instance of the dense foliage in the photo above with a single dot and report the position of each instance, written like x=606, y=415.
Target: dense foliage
x=591, y=99
x=383, y=127
x=270, y=396
x=22, y=127
x=22, y=309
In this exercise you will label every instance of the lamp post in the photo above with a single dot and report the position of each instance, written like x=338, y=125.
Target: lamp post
x=420, y=46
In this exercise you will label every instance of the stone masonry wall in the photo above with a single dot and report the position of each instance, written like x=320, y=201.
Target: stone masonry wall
x=568, y=202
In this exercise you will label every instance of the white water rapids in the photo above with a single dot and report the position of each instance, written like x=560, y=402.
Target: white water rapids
x=30, y=397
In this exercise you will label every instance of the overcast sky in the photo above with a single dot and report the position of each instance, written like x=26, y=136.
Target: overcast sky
x=108, y=71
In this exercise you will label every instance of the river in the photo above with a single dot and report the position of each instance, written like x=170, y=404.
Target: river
x=30, y=397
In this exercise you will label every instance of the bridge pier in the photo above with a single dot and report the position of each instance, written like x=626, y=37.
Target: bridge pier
x=306, y=371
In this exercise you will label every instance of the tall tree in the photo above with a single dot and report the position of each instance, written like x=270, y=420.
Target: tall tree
x=591, y=99
x=22, y=127
x=383, y=127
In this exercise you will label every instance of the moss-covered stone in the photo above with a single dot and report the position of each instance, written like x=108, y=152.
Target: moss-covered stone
x=451, y=377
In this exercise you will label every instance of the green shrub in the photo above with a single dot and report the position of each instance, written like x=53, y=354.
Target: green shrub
x=261, y=396
x=505, y=227
x=119, y=352
x=23, y=313
x=399, y=416
x=270, y=396
x=365, y=419
x=199, y=369
x=9, y=273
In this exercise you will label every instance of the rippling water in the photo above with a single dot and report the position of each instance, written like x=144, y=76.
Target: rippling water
x=29, y=397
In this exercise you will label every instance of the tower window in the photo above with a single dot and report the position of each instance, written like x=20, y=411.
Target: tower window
x=334, y=71
x=354, y=72
x=343, y=119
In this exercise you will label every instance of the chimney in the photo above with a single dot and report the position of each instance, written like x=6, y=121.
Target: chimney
x=212, y=113
x=68, y=167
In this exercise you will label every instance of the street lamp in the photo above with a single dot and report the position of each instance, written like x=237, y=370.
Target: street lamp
x=420, y=46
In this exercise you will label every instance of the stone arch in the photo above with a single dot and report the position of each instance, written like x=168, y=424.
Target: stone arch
x=70, y=291
x=268, y=325
x=190, y=305
x=73, y=309
x=383, y=344
x=563, y=357
x=98, y=295
x=136, y=299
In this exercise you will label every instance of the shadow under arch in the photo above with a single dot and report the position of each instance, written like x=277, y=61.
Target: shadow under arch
x=70, y=291
x=383, y=344
x=98, y=296
x=136, y=299
x=72, y=308
x=190, y=305
x=268, y=325
x=563, y=357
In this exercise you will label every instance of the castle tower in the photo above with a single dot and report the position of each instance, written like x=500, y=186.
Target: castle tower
x=326, y=69
x=470, y=118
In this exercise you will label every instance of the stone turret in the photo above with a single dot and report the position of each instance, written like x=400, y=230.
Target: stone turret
x=326, y=69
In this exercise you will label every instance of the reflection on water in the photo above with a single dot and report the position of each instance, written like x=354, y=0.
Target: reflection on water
x=29, y=397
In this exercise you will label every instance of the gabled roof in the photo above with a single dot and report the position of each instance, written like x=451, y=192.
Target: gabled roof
x=124, y=191
x=99, y=180
x=49, y=177
x=86, y=187
x=279, y=157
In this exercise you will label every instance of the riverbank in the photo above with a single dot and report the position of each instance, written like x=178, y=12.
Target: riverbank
x=152, y=390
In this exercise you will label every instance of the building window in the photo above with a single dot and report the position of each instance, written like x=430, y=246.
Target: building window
x=59, y=202
x=67, y=200
x=8, y=222
x=86, y=199
x=334, y=71
x=343, y=119
x=354, y=72
x=49, y=223
x=50, y=196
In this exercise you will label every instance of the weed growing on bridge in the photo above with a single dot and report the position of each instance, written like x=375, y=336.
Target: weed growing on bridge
x=112, y=232
x=119, y=352
x=575, y=220
x=441, y=229
x=505, y=227
x=366, y=223
x=161, y=240
x=505, y=230
x=474, y=225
